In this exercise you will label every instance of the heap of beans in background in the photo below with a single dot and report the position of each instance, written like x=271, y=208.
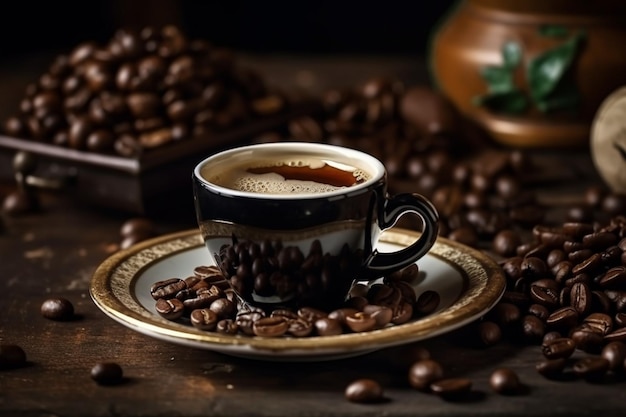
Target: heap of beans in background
x=426, y=147
x=566, y=290
x=139, y=91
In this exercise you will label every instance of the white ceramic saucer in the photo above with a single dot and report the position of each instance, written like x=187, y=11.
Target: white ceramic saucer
x=469, y=283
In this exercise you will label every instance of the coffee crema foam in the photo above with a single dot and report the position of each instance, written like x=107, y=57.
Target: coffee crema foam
x=266, y=178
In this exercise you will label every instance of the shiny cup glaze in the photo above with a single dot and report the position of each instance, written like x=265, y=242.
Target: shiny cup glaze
x=304, y=248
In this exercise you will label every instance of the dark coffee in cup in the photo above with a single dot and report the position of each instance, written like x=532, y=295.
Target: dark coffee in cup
x=298, y=222
x=288, y=174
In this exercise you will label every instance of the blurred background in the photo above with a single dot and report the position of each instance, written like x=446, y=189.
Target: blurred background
x=301, y=27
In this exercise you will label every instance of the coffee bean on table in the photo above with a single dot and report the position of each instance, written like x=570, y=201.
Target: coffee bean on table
x=551, y=368
x=592, y=368
x=11, y=356
x=489, y=333
x=423, y=373
x=364, y=391
x=562, y=347
x=451, y=388
x=107, y=373
x=59, y=309
x=504, y=381
x=615, y=354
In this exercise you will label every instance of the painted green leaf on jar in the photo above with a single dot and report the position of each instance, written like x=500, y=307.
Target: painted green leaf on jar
x=546, y=71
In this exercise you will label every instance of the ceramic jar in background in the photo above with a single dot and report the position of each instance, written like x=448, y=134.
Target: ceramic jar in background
x=532, y=72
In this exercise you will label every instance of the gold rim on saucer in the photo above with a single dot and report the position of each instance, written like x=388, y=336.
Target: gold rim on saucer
x=113, y=291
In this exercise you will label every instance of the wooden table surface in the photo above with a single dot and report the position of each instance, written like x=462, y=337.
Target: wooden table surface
x=55, y=252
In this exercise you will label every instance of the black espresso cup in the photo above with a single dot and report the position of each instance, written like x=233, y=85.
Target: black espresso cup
x=297, y=223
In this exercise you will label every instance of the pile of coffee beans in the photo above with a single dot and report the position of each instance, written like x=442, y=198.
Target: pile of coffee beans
x=139, y=91
x=206, y=301
x=566, y=292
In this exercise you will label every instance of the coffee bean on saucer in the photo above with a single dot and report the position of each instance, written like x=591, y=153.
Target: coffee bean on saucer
x=11, y=356
x=107, y=373
x=364, y=391
x=504, y=381
x=59, y=309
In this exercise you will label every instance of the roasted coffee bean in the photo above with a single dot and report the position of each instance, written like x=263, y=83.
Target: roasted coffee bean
x=550, y=336
x=204, y=298
x=533, y=268
x=545, y=296
x=171, y=309
x=451, y=387
x=618, y=335
x=615, y=354
x=360, y=322
x=107, y=373
x=599, y=240
x=311, y=314
x=614, y=278
x=227, y=326
x=364, y=391
x=328, y=327
x=505, y=381
x=299, y=327
x=489, y=333
x=563, y=318
x=381, y=314
x=59, y=308
x=580, y=298
x=555, y=256
x=533, y=328
x=539, y=310
x=341, y=314
x=11, y=356
x=402, y=313
x=592, y=368
x=224, y=308
x=246, y=319
x=599, y=323
x=204, y=271
x=589, y=265
x=273, y=326
x=167, y=288
x=620, y=319
x=466, y=235
x=587, y=340
x=506, y=313
x=562, y=347
x=505, y=242
x=203, y=319
x=551, y=368
x=427, y=302
x=423, y=373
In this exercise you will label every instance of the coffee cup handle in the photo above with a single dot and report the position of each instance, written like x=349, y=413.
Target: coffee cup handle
x=379, y=264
